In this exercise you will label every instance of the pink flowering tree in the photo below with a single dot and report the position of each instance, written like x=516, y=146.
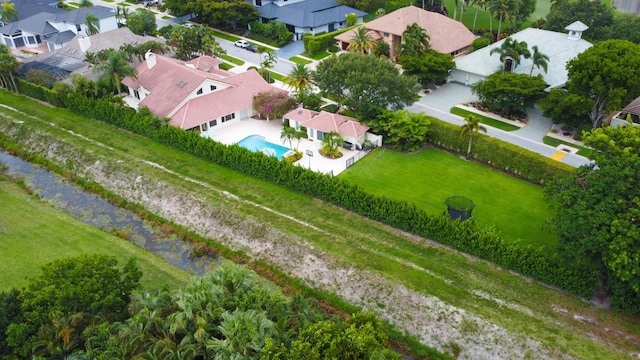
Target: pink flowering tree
x=273, y=104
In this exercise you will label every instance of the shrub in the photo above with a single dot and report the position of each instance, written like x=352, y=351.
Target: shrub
x=297, y=155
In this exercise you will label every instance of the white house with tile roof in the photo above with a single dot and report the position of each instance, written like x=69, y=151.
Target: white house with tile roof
x=194, y=95
x=559, y=47
x=446, y=35
x=320, y=123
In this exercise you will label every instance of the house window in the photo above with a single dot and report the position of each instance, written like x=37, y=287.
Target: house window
x=213, y=122
x=199, y=92
x=320, y=135
x=258, y=2
x=311, y=133
x=228, y=117
x=136, y=94
x=204, y=127
x=212, y=87
x=310, y=29
x=386, y=34
x=78, y=27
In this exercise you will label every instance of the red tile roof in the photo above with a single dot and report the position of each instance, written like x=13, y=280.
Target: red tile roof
x=222, y=102
x=171, y=81
x=327, y=122
x=445, y=34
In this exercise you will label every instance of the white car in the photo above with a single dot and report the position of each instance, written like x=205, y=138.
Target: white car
x=241, y=43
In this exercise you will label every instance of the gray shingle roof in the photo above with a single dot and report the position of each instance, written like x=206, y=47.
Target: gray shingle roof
x=557, y=46
x=60, y=37
x=27, y=9
x=310, y=13
x=79, y=16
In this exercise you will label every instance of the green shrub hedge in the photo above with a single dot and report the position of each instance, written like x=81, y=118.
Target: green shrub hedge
x=501, y=155
x=464, y=236
x=313, y=44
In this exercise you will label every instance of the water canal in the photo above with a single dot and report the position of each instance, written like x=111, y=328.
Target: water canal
x=94, y=210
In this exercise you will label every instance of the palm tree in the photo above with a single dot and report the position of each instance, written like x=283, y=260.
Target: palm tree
x=330, y=143
x=299, y=79
x=93, y=24
x=114, y=70
x=472, y=126
x=478, y=4
x=245, y=335
x=415, y=40
x=539, y=60
x=8, y=67
x=121, y=14
x=288, y=134
x=8, y=13
x=269, y=60
x=361, y=41
x=511, y=50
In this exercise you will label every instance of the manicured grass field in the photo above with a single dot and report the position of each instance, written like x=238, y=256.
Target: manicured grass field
x=427, y=178
x=33, y=233
x=485, y=120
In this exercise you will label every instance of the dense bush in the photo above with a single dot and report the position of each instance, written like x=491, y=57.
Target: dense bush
x=464, y=236
x=313, y=44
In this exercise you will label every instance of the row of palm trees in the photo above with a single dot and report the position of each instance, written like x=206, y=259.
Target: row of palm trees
x=415, y=41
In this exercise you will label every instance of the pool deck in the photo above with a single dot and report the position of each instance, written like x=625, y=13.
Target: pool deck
x=238, y=130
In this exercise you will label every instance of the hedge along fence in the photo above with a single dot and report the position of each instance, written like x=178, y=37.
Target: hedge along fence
x=313, y=44
x=465, y=236
x=501, y=155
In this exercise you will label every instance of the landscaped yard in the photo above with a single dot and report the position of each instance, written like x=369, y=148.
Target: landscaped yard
x=427, y=178
x=33, y=233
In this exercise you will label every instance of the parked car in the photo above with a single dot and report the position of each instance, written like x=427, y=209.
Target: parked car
x=241, y=43
x=189, y=25
x=252, y=48
x=150, y=3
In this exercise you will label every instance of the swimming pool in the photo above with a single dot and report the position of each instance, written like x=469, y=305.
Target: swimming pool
x=258, y=143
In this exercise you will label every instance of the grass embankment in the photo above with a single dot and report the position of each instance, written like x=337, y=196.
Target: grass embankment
x=495, y=294
x=33, y=233
x=427, y=178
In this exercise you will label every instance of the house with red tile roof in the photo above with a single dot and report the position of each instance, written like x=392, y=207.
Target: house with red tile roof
x=446, y=35
x=320, y=123
x=196, y=94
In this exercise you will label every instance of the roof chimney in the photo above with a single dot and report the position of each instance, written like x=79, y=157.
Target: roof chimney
x=151, y=59
x=85, y=43
x=576, y=29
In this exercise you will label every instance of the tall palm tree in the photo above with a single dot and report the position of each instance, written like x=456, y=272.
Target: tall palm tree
x=539, y=60
x=8, y=67
x=415, y=40
x=511, y=50
x=114, y=70
x=8, y=13
x=121, y=14
x=361, y=41
x=300, y=79
x=267, y=63
x=472, y=126
x=93, y=24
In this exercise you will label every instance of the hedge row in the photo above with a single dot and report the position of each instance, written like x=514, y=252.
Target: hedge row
x=501, y=155
x=313, y=44
x=464, y=236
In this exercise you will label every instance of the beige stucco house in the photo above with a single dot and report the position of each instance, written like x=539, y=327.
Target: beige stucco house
x=446, y=35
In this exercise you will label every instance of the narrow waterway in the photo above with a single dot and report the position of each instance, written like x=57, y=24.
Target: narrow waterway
x=94, y=210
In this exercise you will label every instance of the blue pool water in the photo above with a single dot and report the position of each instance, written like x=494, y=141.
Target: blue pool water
x=258, y=143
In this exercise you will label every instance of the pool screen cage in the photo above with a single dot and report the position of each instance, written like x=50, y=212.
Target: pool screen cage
x=459, y=207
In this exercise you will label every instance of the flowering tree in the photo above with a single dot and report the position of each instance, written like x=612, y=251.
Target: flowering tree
x=273, y=104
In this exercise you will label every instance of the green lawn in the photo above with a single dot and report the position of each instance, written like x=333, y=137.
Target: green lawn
x=233, y=60
x=427, y=178
x=485, y=120
x=584, y=151
x=33, y=233
x=299, y=60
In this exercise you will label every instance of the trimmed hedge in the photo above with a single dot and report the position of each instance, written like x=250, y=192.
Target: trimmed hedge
x=464, y=236
x=313, y=44
x=501, y=155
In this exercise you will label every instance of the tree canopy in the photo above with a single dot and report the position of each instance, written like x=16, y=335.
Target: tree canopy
x=509, y=92
x=273, y=104
x=217, y=13
x=602, y=75
x=193, y=42
x=406, y=131
x=142, y=22
x=366, y=84
x=429, y=67
x=595, y=14
x=597, y=213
